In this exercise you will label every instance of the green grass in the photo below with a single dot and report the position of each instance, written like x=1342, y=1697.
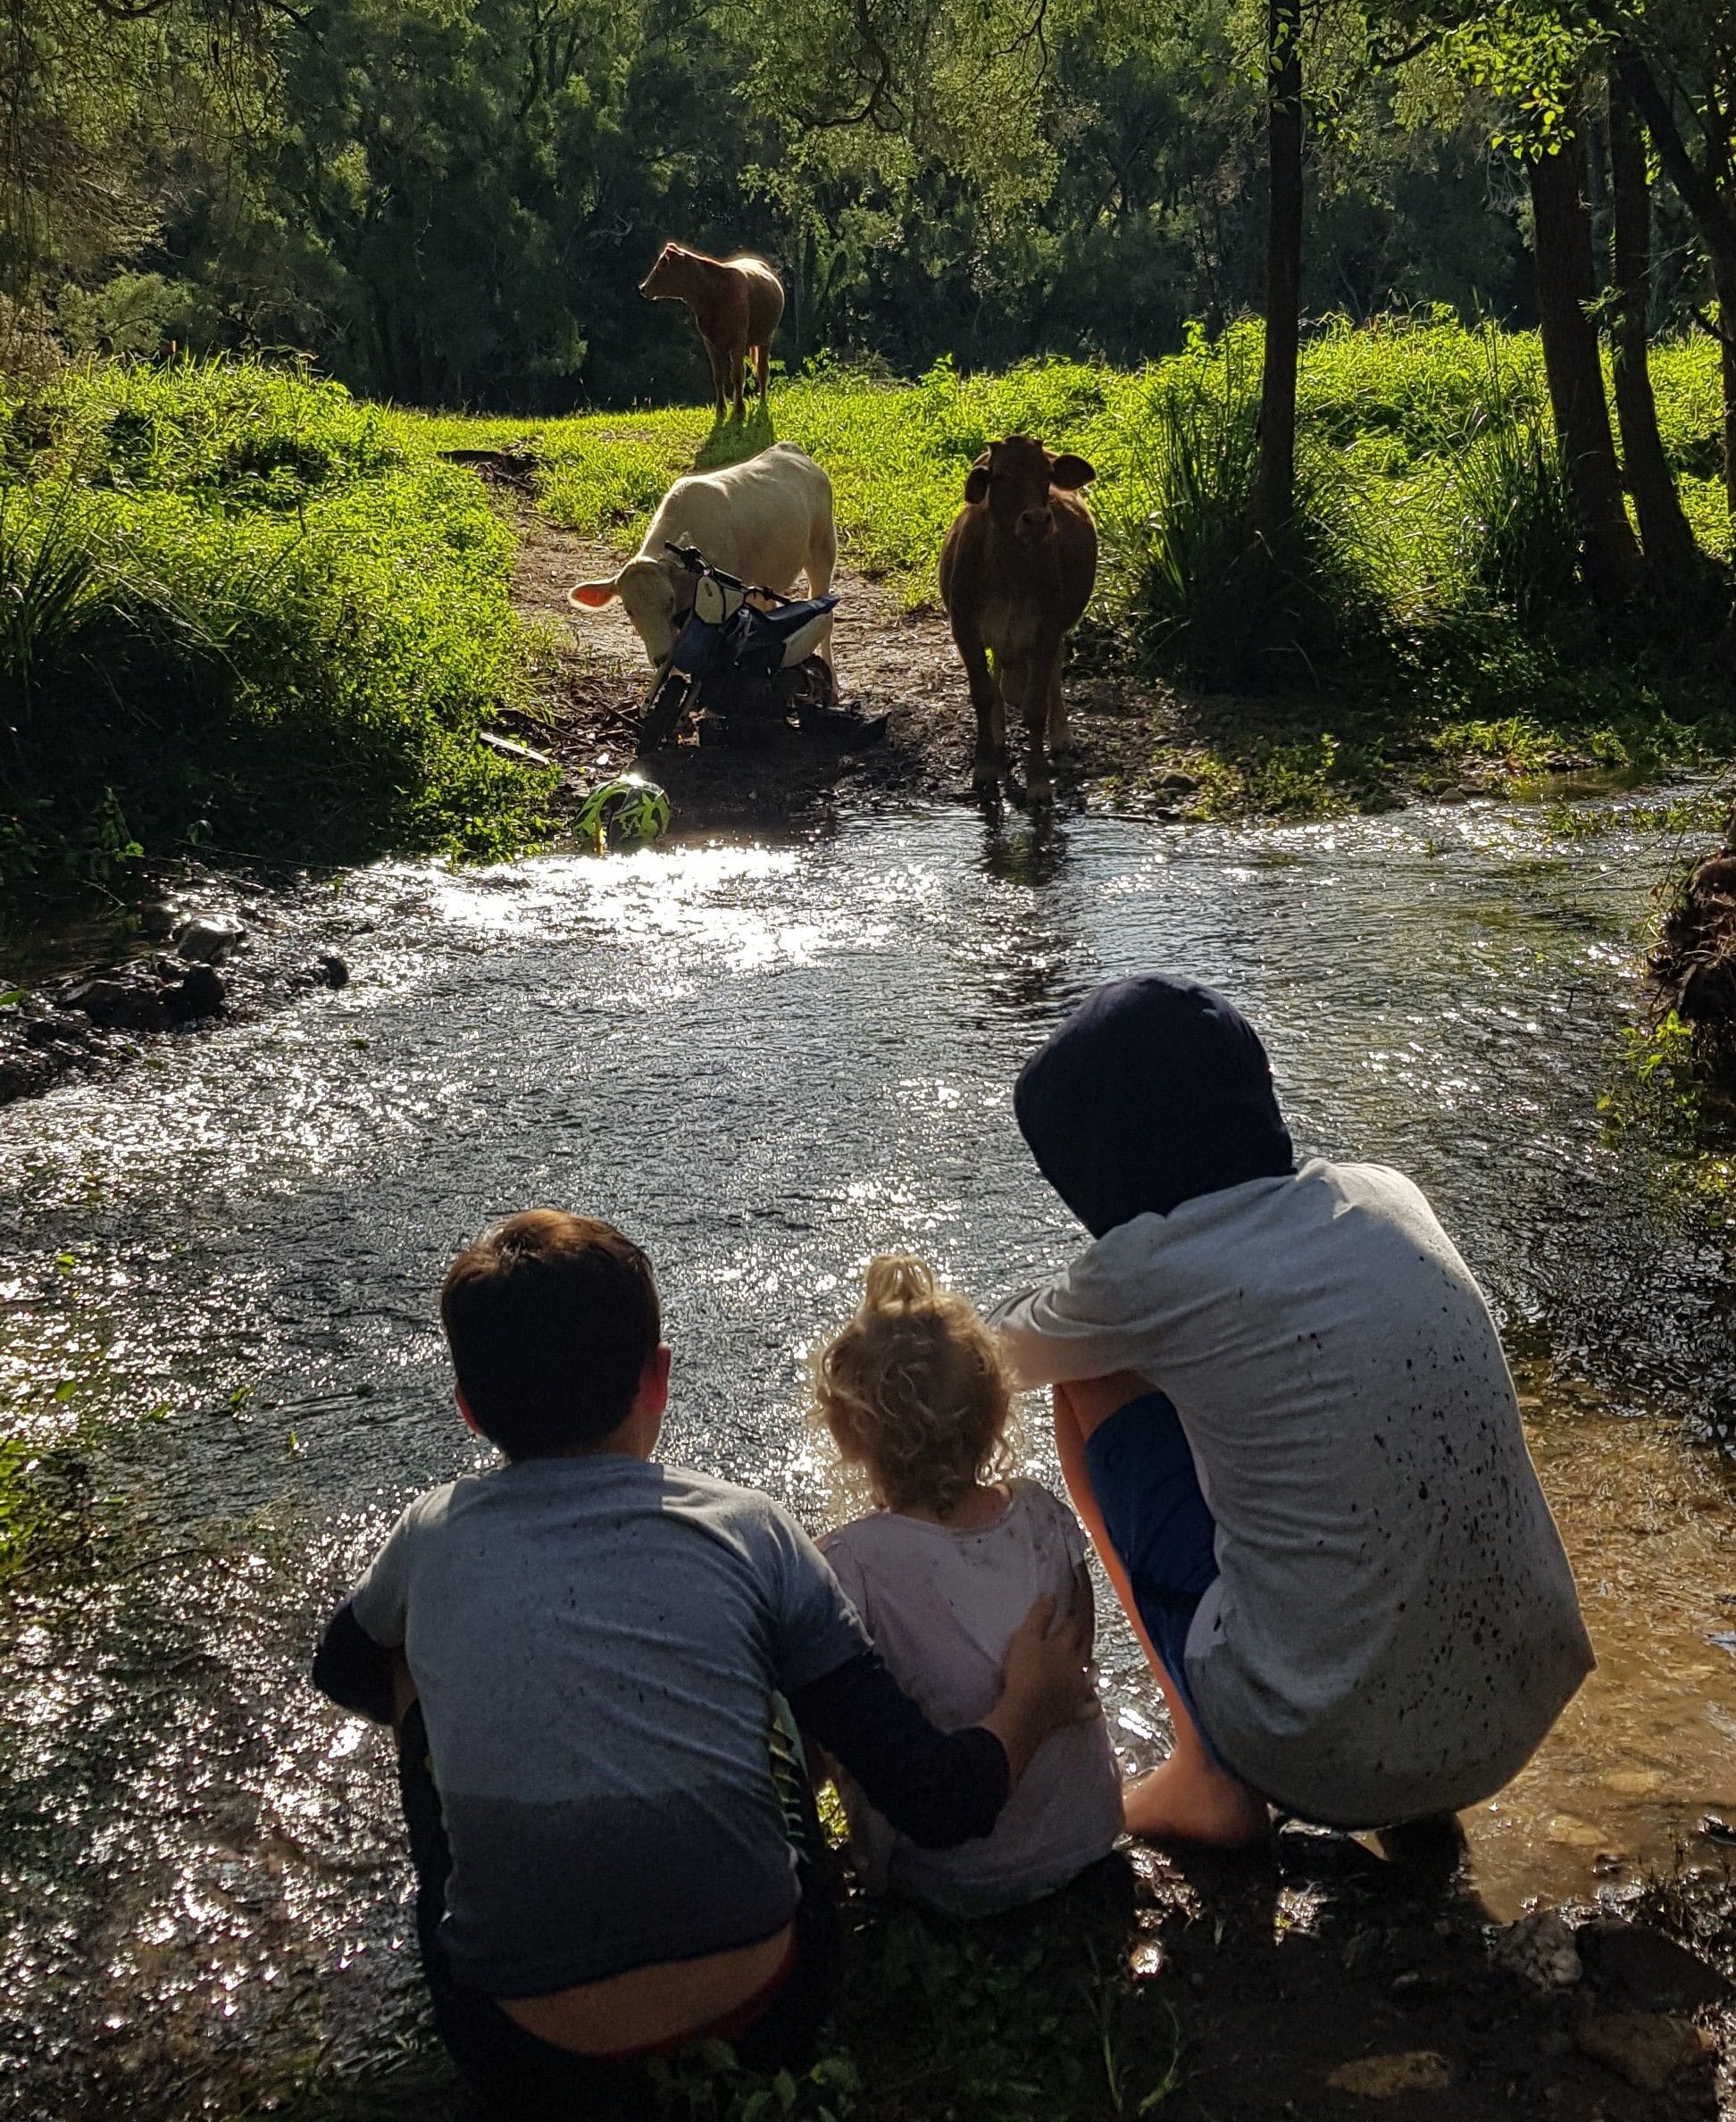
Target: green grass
x=241, y=612
x=1437, y=626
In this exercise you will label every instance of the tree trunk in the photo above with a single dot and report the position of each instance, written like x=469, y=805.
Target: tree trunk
x=1664, y=532
x=1274, y=487
x=1613, y=566
x=1713, y=205
x=1723, y=282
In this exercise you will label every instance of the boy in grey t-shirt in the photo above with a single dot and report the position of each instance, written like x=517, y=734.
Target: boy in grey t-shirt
x=582, y=1648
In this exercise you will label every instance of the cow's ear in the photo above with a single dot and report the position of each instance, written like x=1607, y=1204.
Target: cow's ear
x=976, y=480
x=593, y=595
x=1069, y=473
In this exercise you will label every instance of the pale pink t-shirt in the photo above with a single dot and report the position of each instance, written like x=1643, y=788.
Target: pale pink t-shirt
x=941, y=1606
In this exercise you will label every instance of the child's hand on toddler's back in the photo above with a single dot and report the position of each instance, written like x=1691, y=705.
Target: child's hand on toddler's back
x=1044, y=1680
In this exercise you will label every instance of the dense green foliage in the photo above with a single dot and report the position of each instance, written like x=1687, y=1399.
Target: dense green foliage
x=241, y=612
x=454, y=204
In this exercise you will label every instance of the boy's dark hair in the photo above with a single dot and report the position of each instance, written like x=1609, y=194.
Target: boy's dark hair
x=550, y=1318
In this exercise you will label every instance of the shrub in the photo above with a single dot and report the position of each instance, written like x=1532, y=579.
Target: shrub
x=277, y=639
x=1181, y=561
x=1517, y=536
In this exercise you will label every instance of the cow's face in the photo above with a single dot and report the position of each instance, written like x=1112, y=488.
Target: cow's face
x=664, y=274
x=647, y=591
x=1014, y=477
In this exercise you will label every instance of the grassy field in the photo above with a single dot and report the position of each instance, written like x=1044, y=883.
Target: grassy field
x=243, y=613
x=1442, y=635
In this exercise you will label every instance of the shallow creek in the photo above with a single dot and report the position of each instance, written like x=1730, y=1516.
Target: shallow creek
x=766, y=1062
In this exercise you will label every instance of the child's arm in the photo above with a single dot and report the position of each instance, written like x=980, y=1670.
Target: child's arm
x=354, y=1671
x=942, y=1788
x=1076, y=1325
x=360, y=1664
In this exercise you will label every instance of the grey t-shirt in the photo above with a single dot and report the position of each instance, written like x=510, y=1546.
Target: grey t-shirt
x=595, y=1643
x=1395, y=1625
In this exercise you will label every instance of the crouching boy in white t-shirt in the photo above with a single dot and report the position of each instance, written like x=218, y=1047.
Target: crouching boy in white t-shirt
x=1283, y=1411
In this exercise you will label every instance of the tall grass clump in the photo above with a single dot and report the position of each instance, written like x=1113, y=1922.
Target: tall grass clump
x=1515, y=533
x=239, y=613
x=1180, y=549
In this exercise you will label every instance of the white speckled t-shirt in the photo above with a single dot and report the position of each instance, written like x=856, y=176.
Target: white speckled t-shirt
x=1395, y=1627
x=941, y=1606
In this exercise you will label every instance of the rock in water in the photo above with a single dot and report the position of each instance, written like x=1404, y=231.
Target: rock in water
x=1539, y=1949
x=119, y=1005
x=1644, y=1969
x=1643, y=2047
x=331, y=971
x=1385, y=2078
x=208, y=938
x=201, y=994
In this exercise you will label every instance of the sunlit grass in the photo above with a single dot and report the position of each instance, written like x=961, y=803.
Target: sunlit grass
x=246, y=614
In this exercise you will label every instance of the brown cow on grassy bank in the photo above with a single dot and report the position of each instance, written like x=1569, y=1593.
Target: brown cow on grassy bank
x=735, y=302
x=1016, y=573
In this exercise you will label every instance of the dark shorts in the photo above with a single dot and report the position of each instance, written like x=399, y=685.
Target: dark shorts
x=514, y=2075
x=1143, y=1477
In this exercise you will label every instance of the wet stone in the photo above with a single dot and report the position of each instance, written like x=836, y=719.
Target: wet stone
x=54, y=1026
x=23, y=1074
x=1645, y=2048
x=1644, y=1969
x=201, y=994
x=1539, y=1949
x=1386, y=2077
x=208, y=938
x=330, y=970
x=119, y=1005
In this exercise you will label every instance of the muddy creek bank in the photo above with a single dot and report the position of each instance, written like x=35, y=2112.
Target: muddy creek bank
x=765, y=1062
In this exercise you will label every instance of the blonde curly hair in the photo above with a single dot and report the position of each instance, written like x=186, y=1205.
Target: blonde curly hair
x=912, y=1389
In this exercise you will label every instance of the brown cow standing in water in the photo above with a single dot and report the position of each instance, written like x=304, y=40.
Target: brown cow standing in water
x=1016, y=573
x=735, y=302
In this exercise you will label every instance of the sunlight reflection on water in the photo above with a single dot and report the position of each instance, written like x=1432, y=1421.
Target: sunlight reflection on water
x=766, y=1063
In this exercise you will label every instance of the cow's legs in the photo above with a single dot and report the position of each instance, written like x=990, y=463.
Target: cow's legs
x=1060, y=732
x=990, y=713
x=738, y=365
x=762, y=369
x=714, y=354
x=1041, y=680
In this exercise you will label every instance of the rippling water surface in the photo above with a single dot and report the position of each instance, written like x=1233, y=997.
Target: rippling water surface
x=766, y=1063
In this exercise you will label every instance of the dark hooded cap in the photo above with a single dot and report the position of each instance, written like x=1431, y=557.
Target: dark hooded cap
x=1154, y=1090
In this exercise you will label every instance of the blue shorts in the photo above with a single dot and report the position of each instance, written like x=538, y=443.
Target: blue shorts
x=1143, y=1477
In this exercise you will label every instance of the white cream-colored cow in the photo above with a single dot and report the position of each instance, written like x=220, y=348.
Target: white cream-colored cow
x=765, y=521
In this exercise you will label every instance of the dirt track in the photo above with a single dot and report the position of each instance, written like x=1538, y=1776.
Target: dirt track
x=888, y=661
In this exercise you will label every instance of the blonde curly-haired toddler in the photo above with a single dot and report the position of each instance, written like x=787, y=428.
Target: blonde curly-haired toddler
x=943, y=1570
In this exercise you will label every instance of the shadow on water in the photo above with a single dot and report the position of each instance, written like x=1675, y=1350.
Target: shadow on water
x=765, y=1062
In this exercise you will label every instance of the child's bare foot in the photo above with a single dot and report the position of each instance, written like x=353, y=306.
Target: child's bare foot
x=1190, y=1799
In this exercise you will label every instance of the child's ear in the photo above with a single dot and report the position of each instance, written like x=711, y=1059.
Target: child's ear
x=464, y=1409
x=654, y=1380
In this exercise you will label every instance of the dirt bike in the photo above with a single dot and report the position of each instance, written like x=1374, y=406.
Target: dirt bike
x=745, y=663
